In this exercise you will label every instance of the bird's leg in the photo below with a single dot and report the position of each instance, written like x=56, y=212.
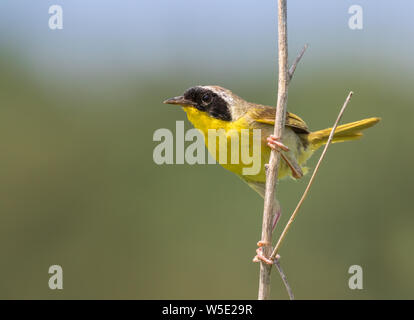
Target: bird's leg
x=297, y=172
x=259, y=251
x=260, y=257
x=275, y=144
x=276, y=219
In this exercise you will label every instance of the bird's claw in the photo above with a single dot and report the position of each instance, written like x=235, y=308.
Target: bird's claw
x=274, y=143
x=259, y=254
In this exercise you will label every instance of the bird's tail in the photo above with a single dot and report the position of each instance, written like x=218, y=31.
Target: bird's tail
x=345, y=132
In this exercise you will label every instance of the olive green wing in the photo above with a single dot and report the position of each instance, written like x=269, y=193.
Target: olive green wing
x=266, y=115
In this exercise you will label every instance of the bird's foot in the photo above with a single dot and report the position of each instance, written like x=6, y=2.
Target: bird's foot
x=274, y=143
x=259, y=253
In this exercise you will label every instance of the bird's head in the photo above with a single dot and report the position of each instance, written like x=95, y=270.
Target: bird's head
x=215, y=101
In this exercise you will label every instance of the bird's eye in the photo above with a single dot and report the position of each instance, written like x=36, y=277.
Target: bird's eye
x=206, y=98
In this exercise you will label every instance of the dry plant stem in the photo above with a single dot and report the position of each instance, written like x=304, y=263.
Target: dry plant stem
x=273, y=168
x=276, y=260
x=305, y=193
x=284, y=279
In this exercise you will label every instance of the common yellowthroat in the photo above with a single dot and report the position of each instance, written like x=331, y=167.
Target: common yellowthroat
x=214, y=107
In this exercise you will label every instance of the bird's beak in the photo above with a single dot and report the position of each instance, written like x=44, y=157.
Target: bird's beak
x=180, y=100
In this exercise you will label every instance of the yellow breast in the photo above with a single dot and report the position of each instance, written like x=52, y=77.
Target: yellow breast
x=229, y=132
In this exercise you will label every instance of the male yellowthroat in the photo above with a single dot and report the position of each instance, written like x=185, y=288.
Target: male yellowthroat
x=214, y=107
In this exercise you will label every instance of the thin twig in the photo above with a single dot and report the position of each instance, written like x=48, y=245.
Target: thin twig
x=273, y=168
x=295, y=63
x=284, y=278
x=305, y=193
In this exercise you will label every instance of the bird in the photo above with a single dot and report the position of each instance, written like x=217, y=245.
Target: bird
x=214, y=107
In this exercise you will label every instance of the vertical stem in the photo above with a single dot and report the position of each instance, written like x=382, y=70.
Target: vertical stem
x=273, y=168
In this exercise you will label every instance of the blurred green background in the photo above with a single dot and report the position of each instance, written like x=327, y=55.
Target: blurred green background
x=79, y=188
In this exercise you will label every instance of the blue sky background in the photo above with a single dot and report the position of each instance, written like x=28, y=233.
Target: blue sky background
x=153, y=35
